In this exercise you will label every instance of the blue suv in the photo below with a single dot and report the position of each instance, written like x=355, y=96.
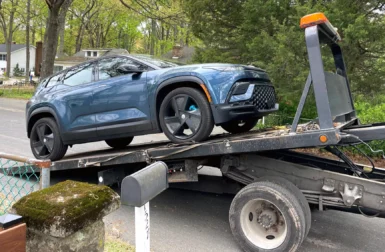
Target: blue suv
x=118, y=97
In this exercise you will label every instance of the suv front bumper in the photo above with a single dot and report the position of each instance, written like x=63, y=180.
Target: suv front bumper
x=246, y=101
x=228, y=112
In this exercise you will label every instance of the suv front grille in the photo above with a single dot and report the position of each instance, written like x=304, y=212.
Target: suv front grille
x=263, y=97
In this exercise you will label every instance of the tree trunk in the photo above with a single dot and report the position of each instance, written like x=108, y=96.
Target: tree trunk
x=62, y=22
x=153, y=36
x=27, y=56
x=9, y=41
x=61, y=39
x=50, y=43
x=33, y=36
x=175, y=34
x=79, y=39
x=57, y=12
x=162, y=48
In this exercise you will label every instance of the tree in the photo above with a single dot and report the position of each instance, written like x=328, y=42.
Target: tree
x=164, y=24
x=57, y=10
x=7, y=18
x=267, y=34
x=17, y=71
x=27, y=43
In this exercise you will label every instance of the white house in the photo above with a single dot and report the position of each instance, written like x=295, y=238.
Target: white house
x=18, y=56
x=85, y=55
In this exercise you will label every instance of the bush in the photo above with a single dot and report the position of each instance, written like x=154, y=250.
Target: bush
x=371, y=111
x=17, y=71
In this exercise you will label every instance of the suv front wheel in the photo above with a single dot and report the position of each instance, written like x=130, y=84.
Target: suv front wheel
x=45, y=140
x=185, y=116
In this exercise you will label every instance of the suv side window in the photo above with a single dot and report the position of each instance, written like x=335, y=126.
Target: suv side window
x=108, y=67
x=79, y=75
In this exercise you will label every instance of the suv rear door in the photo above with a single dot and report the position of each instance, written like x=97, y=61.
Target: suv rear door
x=74, y=97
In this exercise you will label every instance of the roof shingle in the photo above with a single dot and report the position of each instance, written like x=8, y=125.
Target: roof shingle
x=14, y=47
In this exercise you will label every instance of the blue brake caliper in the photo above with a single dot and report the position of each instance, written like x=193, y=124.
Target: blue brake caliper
x=192, y=108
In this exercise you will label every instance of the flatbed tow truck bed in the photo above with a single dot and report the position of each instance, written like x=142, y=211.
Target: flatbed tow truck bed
x=271, y=211
x=217, y=145
x=254, y=141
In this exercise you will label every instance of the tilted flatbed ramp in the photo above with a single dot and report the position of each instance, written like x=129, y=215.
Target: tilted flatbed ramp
x=254, y=141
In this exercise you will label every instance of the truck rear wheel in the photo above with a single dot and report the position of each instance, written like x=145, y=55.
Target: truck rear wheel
x=266, y=216
x=296, y=191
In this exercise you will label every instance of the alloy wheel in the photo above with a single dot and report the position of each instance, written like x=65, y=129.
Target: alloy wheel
x=43, y=140
x=183, y=117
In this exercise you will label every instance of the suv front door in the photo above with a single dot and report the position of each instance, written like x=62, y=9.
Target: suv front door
x=120, y=99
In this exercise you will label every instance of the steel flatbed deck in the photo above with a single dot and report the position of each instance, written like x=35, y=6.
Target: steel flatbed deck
x=221, y=144
x=254, y=141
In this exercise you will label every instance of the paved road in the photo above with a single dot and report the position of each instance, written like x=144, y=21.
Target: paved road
x=193, y=221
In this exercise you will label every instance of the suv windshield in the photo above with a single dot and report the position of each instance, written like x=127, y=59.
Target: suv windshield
x=157, y=62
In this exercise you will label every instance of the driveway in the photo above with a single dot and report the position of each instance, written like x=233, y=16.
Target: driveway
x=194, y=221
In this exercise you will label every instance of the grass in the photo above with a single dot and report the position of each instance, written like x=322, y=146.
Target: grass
x=17, y=92
x=115, y=245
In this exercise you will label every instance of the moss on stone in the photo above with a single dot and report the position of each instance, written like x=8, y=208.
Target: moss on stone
x=66, y=207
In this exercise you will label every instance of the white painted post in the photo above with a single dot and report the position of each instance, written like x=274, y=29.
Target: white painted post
x=142, y=228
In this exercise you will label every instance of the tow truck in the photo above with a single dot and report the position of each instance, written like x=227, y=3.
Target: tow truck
x=273, y=184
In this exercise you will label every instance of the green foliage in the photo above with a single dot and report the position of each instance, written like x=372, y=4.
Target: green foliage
x=267, y=34
x=371, y=110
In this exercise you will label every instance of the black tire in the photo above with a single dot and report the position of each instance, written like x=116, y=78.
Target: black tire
x=240, y=126
x=285, y=233
x=47, y=143
x=296, y=191
x=119, y=143
x=167, y=113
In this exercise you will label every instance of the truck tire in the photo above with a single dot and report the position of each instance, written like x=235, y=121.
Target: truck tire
x=296, y=191
x=267, y=217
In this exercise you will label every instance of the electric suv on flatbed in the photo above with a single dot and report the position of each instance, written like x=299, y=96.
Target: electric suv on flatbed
x=118, y=97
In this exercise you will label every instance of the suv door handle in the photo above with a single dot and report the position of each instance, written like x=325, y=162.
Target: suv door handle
x=102, y=86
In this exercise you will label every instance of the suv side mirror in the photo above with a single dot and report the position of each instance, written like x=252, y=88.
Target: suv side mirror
x=129, y=68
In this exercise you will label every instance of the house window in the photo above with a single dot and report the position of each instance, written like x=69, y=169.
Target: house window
x=88, y=54
x=95, y=54
x=3, y=57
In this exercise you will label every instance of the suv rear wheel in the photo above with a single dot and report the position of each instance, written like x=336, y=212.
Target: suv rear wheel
x=45, y=140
